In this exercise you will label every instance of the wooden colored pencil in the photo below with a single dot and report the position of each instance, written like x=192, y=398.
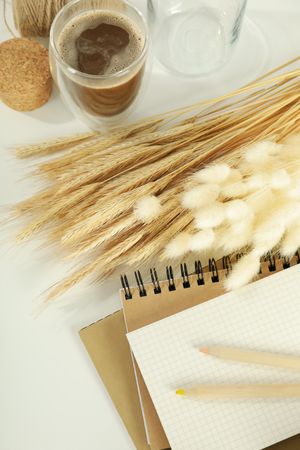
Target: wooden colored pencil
x=221, y=391
x=254, y=357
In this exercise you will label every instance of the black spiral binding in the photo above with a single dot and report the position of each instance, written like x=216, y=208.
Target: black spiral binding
x=213, y=270
x=286, y=263
x=199, y=272
x=226, y=263
x=140, y=284
x=126, y=287
x=271, y=262
x=170, y=278
x=185, y=276
x=155, y=281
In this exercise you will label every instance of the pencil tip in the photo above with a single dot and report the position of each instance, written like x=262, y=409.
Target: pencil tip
x=180, y=392
x=204, y=350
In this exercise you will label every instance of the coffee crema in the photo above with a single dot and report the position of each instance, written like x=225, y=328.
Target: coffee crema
x=96, y=47
x=103, y=43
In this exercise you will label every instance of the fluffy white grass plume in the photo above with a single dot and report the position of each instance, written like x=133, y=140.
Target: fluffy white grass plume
x=284, y=212
x=234, y=190
x=211, y=216
x=200, y=195
x=267, y=235
x=212, y=174
x=243, y=271
x=236, y=210
x=147, y=208
x=255, y=206
x=294, y=191
x=178, y=246
x=291, y=241
x=280, y=179
x=258, y=181
x=290, y=156
x=234, y=176
x=201, y=241
x=235, y=237
x=259, y=153
x=261, y=200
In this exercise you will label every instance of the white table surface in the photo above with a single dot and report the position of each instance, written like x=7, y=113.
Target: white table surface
x=50, y=395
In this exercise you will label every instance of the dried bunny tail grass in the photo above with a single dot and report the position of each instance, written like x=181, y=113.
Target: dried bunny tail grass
x=53, y=146
x=291, y=241
x=202, y=240
x=280, y=179
x=260, y=152
x=214, y=173
x=200, y=196
x=147, y=208
x=211, y=216
x=243, y=271
x=235, y=237
x=178, y=246
x=237, y=210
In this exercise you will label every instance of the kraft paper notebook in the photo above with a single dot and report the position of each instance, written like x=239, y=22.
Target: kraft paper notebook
x=106, y=343
x=265, y=316
x=176, y=296
x=108, y=348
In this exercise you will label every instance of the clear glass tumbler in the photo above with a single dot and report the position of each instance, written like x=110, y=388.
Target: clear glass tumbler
x=195, y=37
x=100, y=101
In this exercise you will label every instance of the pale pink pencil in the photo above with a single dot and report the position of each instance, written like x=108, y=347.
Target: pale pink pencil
x=254, y=357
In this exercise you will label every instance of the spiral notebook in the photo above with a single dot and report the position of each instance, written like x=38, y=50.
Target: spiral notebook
x=148, y=303
x=108, y=348
x=264, y=315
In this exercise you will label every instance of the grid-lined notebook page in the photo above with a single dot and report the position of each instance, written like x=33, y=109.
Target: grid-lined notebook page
x=262, y=316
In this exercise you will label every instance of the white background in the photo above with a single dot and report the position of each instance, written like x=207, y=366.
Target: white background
x=50, y=395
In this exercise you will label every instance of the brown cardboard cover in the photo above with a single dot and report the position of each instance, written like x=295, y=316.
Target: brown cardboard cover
x=108, y=348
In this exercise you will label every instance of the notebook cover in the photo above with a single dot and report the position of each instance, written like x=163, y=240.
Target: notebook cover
x=106, y=343
x=108, y=348
x=140, y=312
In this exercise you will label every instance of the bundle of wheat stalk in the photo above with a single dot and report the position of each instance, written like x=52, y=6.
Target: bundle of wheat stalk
x=90, y=208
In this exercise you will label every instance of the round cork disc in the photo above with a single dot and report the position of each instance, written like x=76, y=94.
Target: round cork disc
x=25, y=78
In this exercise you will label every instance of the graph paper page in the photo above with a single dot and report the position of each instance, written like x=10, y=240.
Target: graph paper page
x=262, y=316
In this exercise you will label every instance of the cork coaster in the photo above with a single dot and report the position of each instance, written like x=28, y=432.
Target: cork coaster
x=25, y=78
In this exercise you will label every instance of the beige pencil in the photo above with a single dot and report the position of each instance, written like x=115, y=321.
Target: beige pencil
x=221, y=391
x=253, y=357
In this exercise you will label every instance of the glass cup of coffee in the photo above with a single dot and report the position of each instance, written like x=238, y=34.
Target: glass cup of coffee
x=98, y=51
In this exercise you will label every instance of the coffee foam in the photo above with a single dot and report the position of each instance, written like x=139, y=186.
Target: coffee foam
x=91, y=19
